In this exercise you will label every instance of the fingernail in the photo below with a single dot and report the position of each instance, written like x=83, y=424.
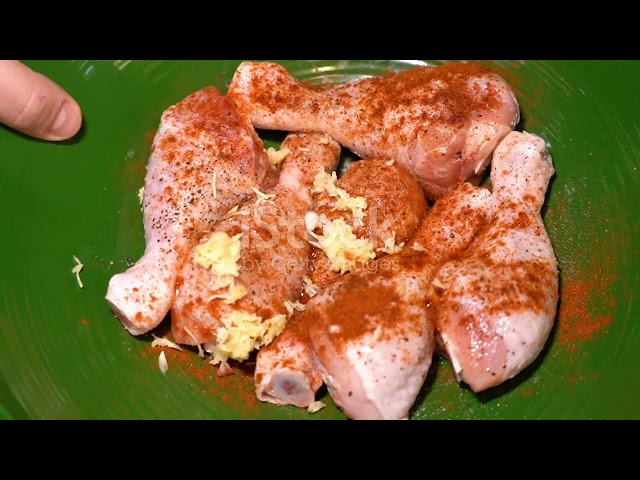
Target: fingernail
x=61, y=127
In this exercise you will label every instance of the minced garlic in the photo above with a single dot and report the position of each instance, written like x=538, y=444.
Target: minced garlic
x=419, y=248
x=238, y=211
x=323, y=182
x=315, y=407
x=162, y=362
x=164, y=342
x=341, y=245
x=221, y=254
x=311, y=221
x=390, y=246
x=274, y=327
x=310, y=288
x=77, y=269
x=263, y=197
x=225, y=370
x=243, y=333
x=357, y=205
x=141, y=196
x=276, y=157
x=235, y=293
x=233, y=211
x=232, y=294
x=293, y=307
x=193, y=337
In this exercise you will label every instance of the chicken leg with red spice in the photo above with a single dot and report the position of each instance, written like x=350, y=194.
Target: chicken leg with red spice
x=373, y=332
x=497, y=303
x=286, y=372
x=204, y=160
x=233, y=286
x=441, y=123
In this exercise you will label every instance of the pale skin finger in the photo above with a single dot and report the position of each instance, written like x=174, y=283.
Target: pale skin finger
x=35, y=105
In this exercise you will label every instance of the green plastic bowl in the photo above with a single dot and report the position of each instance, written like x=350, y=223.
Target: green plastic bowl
x=64, y=355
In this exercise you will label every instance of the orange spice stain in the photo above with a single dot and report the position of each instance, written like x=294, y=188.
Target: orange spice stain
x=151, y=135
x=587, y=301
x=236, y=391
x=85, y=322
x=577, y=323
x=527, y=391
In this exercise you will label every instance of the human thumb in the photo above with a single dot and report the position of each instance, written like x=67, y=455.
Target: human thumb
x=35, y=105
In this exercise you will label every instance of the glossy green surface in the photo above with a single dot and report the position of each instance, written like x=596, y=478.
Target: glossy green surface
x=64, y=355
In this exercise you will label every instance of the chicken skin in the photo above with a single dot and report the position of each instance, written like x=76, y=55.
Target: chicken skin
x=373, y=332
x=204, y=160
x=441, y=123
x=246, y=290
x=286, y=371
x=497, y=302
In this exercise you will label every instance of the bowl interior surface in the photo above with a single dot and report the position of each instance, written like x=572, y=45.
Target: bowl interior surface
x=63, y=355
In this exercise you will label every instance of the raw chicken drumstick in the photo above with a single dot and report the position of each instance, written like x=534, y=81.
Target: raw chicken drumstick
x=204, y=160
x=286, y=372
x=233, y=287
x=441, y=123
x=373, y=332
x=395, y=206
x=498, y=301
